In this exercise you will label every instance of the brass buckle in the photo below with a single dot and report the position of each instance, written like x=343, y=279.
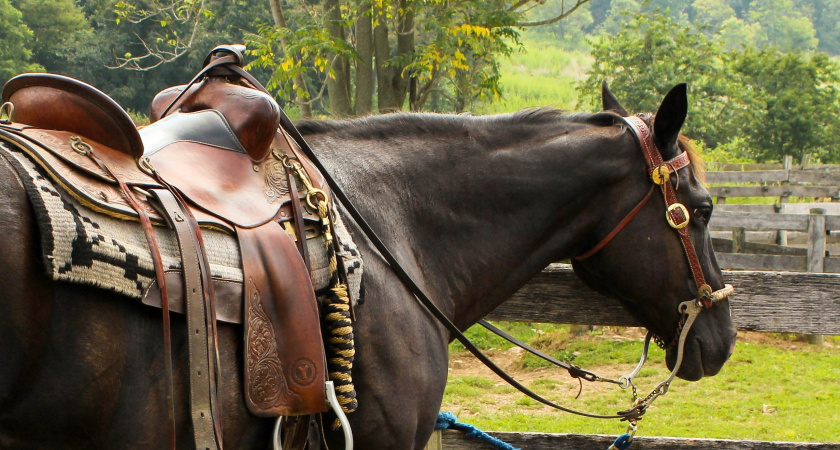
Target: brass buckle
x=660, y=174
x=6, y=111
x=670, y=218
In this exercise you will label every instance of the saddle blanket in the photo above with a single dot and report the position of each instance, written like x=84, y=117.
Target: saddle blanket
x=80, y=245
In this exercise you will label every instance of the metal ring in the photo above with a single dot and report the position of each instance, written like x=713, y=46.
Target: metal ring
x=312, y=193
x=81, y=147
x=6, y=111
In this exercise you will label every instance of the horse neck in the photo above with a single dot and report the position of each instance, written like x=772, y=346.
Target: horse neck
x=476, y=208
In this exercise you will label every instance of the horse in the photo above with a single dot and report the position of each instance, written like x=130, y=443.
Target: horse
x=471, y=206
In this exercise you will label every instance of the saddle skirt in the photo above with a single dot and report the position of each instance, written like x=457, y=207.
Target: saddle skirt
x=221, y=149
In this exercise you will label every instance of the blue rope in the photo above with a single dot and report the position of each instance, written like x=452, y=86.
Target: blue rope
x=448, y=420
x=622, y=442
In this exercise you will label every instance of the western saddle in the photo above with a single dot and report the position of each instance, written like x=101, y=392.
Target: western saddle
x=213, y=156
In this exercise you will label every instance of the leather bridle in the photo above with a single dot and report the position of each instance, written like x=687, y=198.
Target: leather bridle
x=677, y=215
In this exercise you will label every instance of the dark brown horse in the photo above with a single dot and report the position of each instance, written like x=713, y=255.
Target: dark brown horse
x=473, y=207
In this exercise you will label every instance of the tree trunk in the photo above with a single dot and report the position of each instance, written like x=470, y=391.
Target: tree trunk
x=405, y=48
x=364, y=66
x=338, y=85
x=384, y=73
x=300, y=80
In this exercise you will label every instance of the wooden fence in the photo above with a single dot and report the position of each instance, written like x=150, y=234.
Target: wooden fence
x=810, y=224
x=773, y=180
x=806, y=303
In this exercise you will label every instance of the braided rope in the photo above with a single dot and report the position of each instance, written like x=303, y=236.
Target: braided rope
x=339, y=343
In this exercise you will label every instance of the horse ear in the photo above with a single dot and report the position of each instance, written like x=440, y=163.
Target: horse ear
x=669, y=120
x=609, y=102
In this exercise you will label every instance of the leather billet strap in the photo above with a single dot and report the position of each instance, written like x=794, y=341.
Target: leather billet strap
x=202, y=395
x=87, y=150
x=677, y=214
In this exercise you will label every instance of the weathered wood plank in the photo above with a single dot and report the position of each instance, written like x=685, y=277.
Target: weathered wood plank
x=722, y=245
x=790, y=208
x=774, y=191
x=814, y=177
x=753, y=176
x=831, y=265
x=807, y=303
x=455, y=440
x=747, y=261
x=758, y=221
x=742, y=167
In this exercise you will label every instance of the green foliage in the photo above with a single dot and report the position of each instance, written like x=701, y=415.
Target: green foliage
x=760, y=104
x=15, y=43
x=796, y=104
x=782, y=26
x=462, y=52
x=653, y=53
x=59, y=27
x=310, y=48
x=544, y=75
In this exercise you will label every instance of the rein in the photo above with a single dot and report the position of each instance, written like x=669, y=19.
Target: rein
x=677, y=215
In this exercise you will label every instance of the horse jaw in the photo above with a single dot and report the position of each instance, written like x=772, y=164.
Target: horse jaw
x=705, y=351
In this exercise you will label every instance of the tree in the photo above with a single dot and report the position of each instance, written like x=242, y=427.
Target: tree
x=712, y=13
x=797, y=104
x=825, y=16
x=420, y=54
x=59, y=28
x=651, y=54
x=782, y=26
x=15, y=39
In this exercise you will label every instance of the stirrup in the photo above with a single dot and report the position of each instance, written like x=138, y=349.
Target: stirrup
x=336, y=407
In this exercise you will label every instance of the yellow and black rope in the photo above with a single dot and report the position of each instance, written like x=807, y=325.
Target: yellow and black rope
x=336, y=313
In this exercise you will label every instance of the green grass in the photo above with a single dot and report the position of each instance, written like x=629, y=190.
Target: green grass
x=765, y=392
x=544, y=75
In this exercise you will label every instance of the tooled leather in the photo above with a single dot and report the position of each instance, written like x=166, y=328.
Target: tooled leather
x=654, y=158
x=281, y=311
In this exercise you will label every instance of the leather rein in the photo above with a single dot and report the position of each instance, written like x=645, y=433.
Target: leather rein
x=677, y=215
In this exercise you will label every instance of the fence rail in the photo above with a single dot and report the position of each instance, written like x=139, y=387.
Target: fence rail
x=764, y=301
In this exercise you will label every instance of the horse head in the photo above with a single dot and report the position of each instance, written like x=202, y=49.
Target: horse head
x=640, y=257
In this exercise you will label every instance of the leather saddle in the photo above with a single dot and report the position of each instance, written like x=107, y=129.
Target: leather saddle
x=214, y=156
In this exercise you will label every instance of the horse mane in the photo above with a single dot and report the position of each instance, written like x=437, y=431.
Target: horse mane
x=686, y=144
x=406, y=124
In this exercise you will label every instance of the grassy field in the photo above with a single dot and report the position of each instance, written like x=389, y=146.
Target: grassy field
x=773, y=388
x=543, y=75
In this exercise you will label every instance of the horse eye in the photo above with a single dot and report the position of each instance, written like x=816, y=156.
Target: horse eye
x=703, y=213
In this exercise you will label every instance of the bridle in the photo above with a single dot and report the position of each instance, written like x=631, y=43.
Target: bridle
x=677, y=215
x=678, y=218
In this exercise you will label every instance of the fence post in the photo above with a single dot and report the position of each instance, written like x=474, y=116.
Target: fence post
x=816, y=252
x=806, y=161
x=739, y=240
x=781, y=235
x=436, y=441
